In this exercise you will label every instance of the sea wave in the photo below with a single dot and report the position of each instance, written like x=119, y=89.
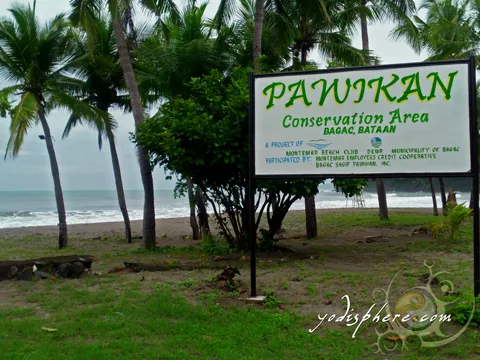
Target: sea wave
x=50, y=218
x=16, y=219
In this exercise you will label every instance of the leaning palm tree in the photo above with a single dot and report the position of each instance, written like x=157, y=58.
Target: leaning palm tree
x=33, y=58
x=102, y=79
x=84, y=13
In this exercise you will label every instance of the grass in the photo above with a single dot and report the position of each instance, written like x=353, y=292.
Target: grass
x=175, y=315
x=159, y=325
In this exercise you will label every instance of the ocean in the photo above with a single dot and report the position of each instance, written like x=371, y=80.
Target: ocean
x=37, y=208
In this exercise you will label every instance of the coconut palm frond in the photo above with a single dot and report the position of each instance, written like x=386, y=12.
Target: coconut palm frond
x=94, y=117
x=23, y=117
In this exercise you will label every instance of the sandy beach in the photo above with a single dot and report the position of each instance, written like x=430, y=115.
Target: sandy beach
x=174, y=228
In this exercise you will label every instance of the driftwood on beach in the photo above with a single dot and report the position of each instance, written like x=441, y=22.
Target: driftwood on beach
x=67, y=266
x=139, y=267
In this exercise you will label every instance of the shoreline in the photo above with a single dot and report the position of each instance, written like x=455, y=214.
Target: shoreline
x=178, y=227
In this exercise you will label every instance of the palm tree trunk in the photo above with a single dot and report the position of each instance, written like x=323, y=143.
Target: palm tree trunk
x=191, y=202
x=303, y=55
x=310, y=210
x=442, y=195
x=257, y=33
x=202, y=212
x=382, y=199
x=119, y=186
x=311, y=216
x=364, y=27
x=143, y=159
x=62, y=216
x=434, y=198
x=381, y=193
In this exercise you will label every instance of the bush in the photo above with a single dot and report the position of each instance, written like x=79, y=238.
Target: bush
x=210, y=246
x=454, y=217
x=462, y=310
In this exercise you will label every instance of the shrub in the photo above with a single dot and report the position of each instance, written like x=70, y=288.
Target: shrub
x=454, y=217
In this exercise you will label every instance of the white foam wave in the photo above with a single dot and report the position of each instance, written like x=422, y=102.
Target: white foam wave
x=323, y=201
x=85, y=217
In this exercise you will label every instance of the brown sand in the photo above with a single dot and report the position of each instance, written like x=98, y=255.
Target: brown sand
x=174, y=228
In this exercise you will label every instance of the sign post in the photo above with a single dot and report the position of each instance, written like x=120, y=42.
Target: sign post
x=408, y=120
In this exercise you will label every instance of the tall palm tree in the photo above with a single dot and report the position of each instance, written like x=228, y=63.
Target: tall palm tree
x=184, y=47
x=324, y=27
x=451, y=30
x=102, y=78
x=362, y=12
x=275, y=38
x=227, y=9
x=34, y=59
x=312, y=28
x=83, y=14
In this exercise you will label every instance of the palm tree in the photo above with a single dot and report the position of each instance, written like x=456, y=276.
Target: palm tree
x=102, y=78
x=275, y=38
x=33, y=58
x=183, y=48
x=227, y=8
x=434, y=198
x=312, y=28
x=364, y=11
x=443, y=196
x=325, y=28
x=450, y=31
x=83, y=14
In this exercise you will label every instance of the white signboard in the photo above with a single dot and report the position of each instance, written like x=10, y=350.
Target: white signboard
x=383, y=120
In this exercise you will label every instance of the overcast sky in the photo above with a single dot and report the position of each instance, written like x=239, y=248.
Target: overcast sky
x=82, y=166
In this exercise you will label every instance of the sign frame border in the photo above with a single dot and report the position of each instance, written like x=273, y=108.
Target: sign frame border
x=474, y=158
x=472, y=122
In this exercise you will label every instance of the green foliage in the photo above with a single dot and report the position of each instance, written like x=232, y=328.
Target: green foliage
x=180, y=189
x=163, y=250
x=350, y=187
x=234, y=287
x=184, y=47
x=267, y=242
x=5, y=105
x=461, y=310
x=99, y=77
x=205, y=137
x=438, y=229
x=271, y=302
x=454, y=217
x=210, y=246
x=36, y=60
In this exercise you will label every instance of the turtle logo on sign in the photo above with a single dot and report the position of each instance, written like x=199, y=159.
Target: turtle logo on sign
x=376, y=142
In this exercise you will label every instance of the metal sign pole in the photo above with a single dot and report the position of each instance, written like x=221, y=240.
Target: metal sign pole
x=250, y=193
x=475, y=178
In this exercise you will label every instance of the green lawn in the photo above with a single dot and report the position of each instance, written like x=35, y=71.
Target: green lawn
x=175, y=315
